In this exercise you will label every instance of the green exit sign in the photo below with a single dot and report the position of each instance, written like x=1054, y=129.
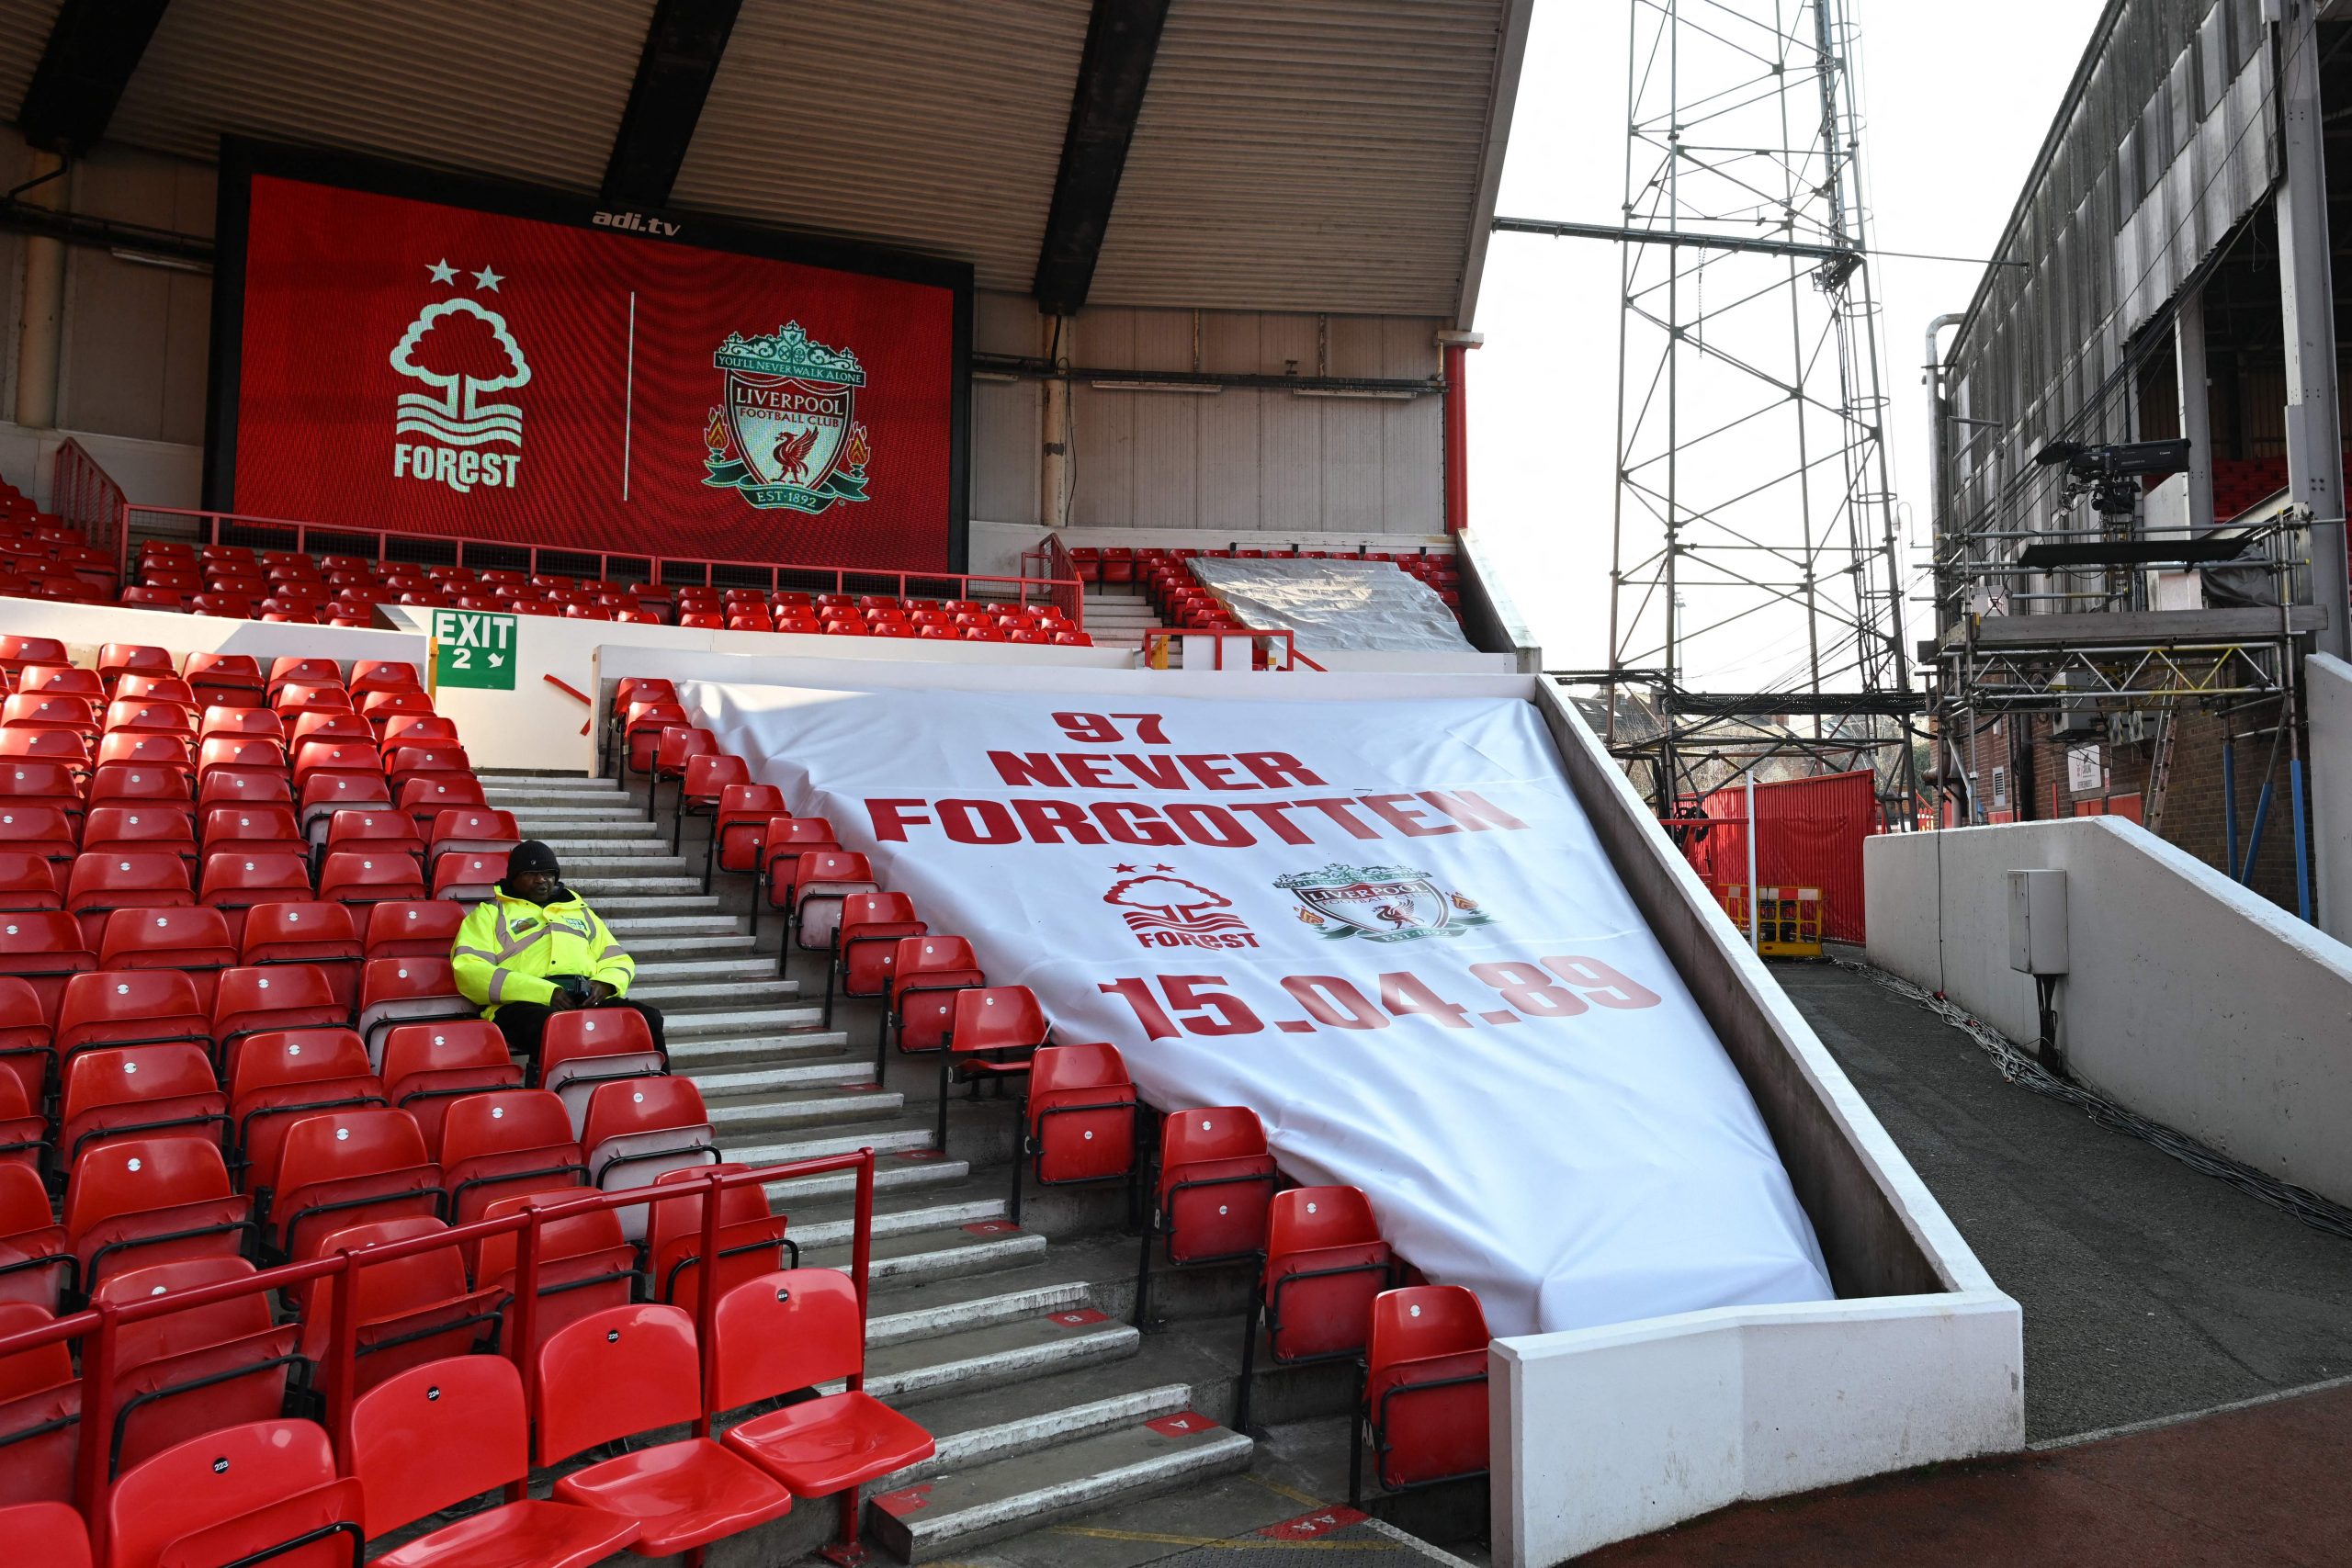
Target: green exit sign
x=471, y=647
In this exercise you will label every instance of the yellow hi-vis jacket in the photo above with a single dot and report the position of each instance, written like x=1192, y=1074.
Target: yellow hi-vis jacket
x=508, y=945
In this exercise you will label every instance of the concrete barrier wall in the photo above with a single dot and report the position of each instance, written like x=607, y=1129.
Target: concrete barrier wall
x=1614, y=1431
x=2190, y=1000
x=2327, y=686
x=83, y=628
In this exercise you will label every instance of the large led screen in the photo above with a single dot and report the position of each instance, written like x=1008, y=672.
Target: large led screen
x=398, y=350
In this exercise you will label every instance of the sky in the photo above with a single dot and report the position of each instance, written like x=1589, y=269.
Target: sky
x=1955, y=102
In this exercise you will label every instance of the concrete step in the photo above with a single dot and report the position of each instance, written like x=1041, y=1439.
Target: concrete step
x=751, y=1118
x=617, y=908
x=598, y=830
x=970, y=1310
x=1062, y=1422
x=656, y=924
x=682, y=971
x=616, y=810
x=591, y=852
x=626, y=860
x=932, y=1254
x=716, y=995
x=992, y=1354
x=892, y=1173
x=722, y=1084
x=1013, y=1495
x=750, y=1023
x=553, y=792
x=659, y=947
x=602, y=890
x=702, y=1053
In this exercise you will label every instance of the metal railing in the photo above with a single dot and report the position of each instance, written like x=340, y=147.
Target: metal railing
x=1159, y=642
x=388, y=546
x=100, y=1328
x=83, y=494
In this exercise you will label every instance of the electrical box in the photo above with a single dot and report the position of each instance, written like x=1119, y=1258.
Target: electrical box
x=2076, y=715
x=2038, y=921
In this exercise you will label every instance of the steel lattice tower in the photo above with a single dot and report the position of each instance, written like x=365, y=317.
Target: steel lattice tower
x=1755, y=564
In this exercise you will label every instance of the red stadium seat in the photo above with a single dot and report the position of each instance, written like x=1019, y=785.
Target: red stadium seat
x=405, y=764
x=429, y=1066
x=133, y=716
x=45, y=950
x=136, y=1092
x=624, y=1371
x=234, y=882
x=154, y=686
x=24, y=1130
x=228, y=750
x=678, y=745
x=409, y=1309
x=383, y=675
x=243, y=786
x=312, y=731
x=130, y=1007
x=427, y=929
x=40, y=710
x=587, y=1046
x=640, y=1128
x=323, y=794
x=139, y=830
x=27, y=881
x=822, y=882
x=42, y=830
x=145, y=1201
x=348, y=1167
x=41, y=782
x=437, y=1435
x=259, y=723
x=463, y=829
x=990, y=1023
x=641, y=724
x=252, y=830
x=741, y=830
x=148, y=749
x=793, y=1330
x=50, y=1533
x=282, y=1075
x=63, y=680
x=124, y=784
x=1078, y=1121
x=784, y=841
x=36, y=1263
x=195, y=940
x=498, y=1144
x=16, y=653
x=925, y=973
x=752, y=1239
x=1324, y=1263
x=406, y=990
x=314, y=672
x=198, y=1371
x=324, y=937
x=706, y=779
x=242, y=1494
x=1424, y=1390
x=426, y=797
x=319, y=760
x=227, y=679
x=268, y=997
x=117, y=660
x=865, y=945
x=386, y=876
x=585, y=1264
x=47, y=746
x=1216, y=1181
x=468, y=878
x=414, y=729
x=99, y=885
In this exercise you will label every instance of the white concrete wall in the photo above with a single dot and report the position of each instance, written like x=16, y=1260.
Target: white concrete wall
x=1615, y=1432
x=84, y=628
x=2328, y=685
x=2190, y=1000
x=151, y=473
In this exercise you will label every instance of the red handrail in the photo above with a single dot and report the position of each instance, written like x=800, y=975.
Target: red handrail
x=1161, y=636
x=99, y=1328
x=1067, y=595
x=83, y=494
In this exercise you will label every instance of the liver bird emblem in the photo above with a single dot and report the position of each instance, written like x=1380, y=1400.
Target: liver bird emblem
x=791, y=454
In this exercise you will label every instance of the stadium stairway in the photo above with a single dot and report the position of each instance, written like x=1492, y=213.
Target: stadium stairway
x=1117, y=617
x=1011, y=1345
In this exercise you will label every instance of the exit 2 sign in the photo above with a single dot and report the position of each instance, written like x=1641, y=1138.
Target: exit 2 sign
x=472, y=648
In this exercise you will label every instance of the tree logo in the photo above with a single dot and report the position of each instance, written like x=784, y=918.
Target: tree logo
x=463, y=351
x=787, y=432
x=1169, y=911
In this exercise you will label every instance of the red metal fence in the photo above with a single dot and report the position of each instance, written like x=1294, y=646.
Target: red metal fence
x=388, y=545
x=1809, y=833
x=83, y=494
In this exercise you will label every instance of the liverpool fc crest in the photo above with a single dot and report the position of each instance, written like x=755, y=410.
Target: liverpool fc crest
x=1382, y=903
x=786, y=431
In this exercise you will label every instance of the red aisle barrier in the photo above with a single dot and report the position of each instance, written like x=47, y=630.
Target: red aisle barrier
x=1809, y=834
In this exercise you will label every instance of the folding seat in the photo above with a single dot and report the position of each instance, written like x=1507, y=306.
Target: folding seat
x=44, y=832
x=585, y=1263
x=35, y=710
x=139, y=830
x=426, y=797
x=268, y=997
x=32, y=781
x=162, y=749
x=476, y=830
x=799, y=1329
x=24, y=1130
x=640, y=1128
x=506, y=1141
x=36, y=1263
x=310, y=731
x=39, y=1409
x=379, y=708
x=991, y=1022
x=339, y=758
x=99, y=885
x=624, y=1371
x=16, y=653
x=585, y=1047
x=259, y=1490
x=427, y=1066
x=252, y=829
x=705, y=779
x=415, y=730
x=48, y=1532
x=231, y=603
x=139, y=1091
x=162, y=591
x=678, y=744
x=325, y=792
x=130, y=1007
x=383, y=675
x=129, y=784
x=139, y=1202
x=61, y=681
x=467, y=877
x=378, y=835
x=45, y=950
x=408, y=1310
x=739, y=828
x=420, y=929
x=1424, y=1390
x=194, y=941
x=294, y=668
x=257, y=753
x=235, y=881
x=436, y=1435
x=47, y=746
x=641, y=732
x=305, y=696
x=1324, y=1263
x=1078, y=1121
x=822, y=882
x=131, y=715
x=918, y=1011
x=752, y=1239
x=1216, y=1180
x=27, y=881
x=865, y=945
x=337, y=1168
x=163, y=685
x=243, y=786
x=282, y=1075
x=197, y=1371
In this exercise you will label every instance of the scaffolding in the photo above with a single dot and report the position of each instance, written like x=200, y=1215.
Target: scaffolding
x=1755, y=569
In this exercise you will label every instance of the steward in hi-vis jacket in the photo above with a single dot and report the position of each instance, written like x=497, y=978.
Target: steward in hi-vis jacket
x=533, y=948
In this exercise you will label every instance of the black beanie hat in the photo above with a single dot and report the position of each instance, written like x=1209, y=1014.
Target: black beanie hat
x=531, y=855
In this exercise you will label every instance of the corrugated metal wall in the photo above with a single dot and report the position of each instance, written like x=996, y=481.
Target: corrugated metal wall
x=2165, y=145
x=1242, y=459
x=524, y=89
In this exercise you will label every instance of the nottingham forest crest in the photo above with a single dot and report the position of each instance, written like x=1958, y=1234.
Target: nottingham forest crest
x=786, y=431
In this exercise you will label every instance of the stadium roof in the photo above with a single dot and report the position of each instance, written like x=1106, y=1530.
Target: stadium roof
x=1335, y=156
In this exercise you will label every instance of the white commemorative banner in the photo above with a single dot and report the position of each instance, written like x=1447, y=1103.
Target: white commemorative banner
x=1384, y=926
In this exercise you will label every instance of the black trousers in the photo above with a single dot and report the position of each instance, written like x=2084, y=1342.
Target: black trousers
x=523, y=1023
